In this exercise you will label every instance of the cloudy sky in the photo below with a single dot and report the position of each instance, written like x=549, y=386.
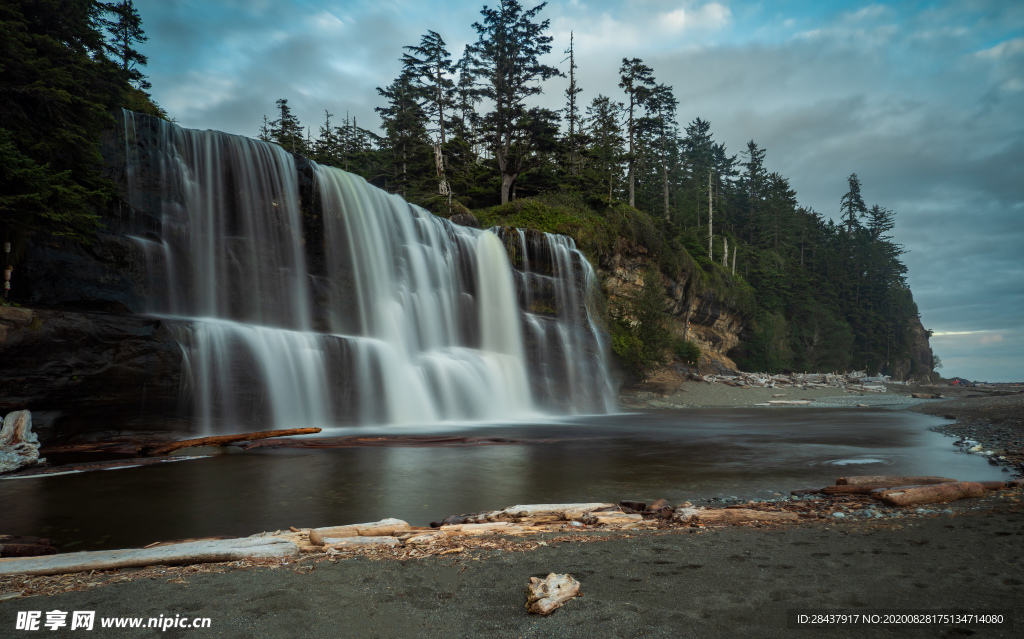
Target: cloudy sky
x=923, y=100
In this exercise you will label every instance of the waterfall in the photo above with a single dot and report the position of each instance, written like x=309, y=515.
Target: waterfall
x=305, y=296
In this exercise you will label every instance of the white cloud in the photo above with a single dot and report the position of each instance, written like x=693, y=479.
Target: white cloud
x=1003, y=50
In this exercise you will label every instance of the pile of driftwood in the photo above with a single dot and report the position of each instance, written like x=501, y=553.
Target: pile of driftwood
x=911, y=491
x=856, y=381
x=455, y=534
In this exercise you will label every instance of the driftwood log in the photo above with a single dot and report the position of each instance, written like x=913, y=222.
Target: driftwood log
x=731, y=516
x=934, y=494
x=190, y=553
x=888, y=480
x=544, y=596
x=221, y=440
x=382, y=528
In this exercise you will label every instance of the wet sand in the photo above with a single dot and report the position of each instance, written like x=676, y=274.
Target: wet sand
x=732, y=581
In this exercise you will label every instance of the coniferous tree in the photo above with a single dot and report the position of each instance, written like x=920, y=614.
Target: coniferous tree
x=637, y=81
x=405, y=135
x=507, y=68
x=661, y=107
x=125, y=28
x=429, y=72
x=572, y=112
x=286, y=130
x=606, y=148
x=851, y=206
x=56, y=90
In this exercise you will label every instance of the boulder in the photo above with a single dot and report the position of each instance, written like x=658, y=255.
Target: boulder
x=19, y=446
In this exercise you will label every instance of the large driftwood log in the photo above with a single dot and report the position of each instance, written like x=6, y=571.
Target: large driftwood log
x=382, y=528
x=889, y=480
x=544, y=596
x=565, y=511
x=191, y=553
x=220, y=440
x=934, y=494
x=360, y=542
x=731, y=516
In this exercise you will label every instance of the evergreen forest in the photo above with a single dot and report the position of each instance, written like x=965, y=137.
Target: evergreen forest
x=461, y=133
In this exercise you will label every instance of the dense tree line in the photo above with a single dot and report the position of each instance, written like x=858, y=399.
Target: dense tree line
x=463, y=133
x=64, y=66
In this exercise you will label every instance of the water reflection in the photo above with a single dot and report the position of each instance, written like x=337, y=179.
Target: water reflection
x=681, y=455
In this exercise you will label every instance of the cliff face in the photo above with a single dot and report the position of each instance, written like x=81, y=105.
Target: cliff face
x=920, y=364
x=700, y=318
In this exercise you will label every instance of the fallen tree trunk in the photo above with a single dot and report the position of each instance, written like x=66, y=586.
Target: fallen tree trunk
x=891, y=480
x=220, y=440
x=734, y=516
x=382, y=528
x=191, y=553
x=934, y=494
x=565, y=511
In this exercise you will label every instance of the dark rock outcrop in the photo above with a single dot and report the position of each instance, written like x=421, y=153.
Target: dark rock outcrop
x=91, y=371
x=921, y=363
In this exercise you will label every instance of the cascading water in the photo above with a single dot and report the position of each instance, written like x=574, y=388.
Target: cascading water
x=308, y=297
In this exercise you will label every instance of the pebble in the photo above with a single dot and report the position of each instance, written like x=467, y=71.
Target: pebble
x=839, y=515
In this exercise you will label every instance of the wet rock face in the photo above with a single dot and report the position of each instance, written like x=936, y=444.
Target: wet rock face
x=108, y=275
x=91, y=371
x=715, y=328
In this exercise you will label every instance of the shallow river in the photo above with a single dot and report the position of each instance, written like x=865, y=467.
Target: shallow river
x=676, y=455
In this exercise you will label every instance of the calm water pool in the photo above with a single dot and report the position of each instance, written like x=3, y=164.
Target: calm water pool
x=676, y=455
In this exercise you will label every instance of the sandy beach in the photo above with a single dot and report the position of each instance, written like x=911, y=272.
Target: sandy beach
x=741, y=580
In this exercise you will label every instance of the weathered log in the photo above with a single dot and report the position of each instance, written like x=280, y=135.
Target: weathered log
x=178, y=554
x=426, y=538
x=855, y=489
x=594, y=519
x=482, y=529
x=355, y=542
x=993, y=485
x=221, y=440
x=544, y=596
x=733, y=516
x=933, y=494
x=566, y=511
x=891, y=480
x=384, y=527
x=26, y=550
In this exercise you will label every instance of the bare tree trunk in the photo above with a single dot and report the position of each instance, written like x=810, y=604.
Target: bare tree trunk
x=725, y=252
x=710, y=251
x=734, y=260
